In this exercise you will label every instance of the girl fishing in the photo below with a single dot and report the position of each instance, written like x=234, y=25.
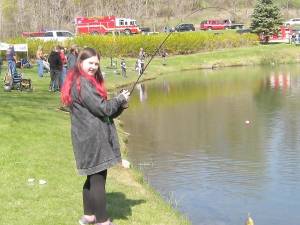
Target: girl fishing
x=94, y=136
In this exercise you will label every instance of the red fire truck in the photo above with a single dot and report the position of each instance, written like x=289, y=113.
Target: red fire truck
x=105, y=25
x=283, y=35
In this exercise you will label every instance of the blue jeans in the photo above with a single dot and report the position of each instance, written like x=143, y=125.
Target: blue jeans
x=40, y=67
x=62, y=76
x=54, y=82
x=12, y=67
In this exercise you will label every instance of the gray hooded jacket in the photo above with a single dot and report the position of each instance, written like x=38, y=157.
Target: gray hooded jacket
x=94, y=136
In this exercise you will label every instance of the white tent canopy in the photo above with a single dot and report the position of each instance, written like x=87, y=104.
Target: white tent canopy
x=17, y=47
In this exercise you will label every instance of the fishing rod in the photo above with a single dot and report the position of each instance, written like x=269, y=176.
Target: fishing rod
x=162, y=43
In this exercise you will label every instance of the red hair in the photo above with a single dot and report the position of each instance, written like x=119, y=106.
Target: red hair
x=73, y=77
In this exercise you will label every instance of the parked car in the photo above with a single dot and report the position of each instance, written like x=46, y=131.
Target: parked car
x=145, y=30
x=293, y=21
x=185, y=27
x=56, y=35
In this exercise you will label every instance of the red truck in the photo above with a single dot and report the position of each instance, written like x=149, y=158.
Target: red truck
x=33, y=34
x=105, y=25
x=213, y=24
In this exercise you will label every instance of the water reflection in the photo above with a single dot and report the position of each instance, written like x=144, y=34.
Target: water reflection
x=142, y=91
x=166, y=87
x=192, y=143
x=279, y=81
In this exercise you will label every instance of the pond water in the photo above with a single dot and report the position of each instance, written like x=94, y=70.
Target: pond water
x=219, y=144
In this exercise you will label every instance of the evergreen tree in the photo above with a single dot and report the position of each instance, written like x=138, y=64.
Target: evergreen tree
x=266, y=18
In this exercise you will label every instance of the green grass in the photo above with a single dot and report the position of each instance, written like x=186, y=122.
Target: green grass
x=35, y=143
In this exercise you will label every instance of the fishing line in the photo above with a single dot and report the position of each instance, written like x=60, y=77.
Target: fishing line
x=162, y=43
x=151, y=58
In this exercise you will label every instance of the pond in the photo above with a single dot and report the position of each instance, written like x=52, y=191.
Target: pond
x=219, y=144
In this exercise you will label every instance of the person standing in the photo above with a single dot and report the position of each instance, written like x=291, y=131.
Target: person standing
x=11, y=59
x=139, y=67
x=142, y=57
x=39, y=60
x=164, y=54
x=94, y=136
x=63, y=74
x=123, y=68
x=55, y=63
x=72, y=57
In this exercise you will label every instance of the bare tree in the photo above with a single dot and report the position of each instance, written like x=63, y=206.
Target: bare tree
x=34, y=15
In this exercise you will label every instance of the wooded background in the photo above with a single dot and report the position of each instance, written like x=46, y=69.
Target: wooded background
x=17, y=16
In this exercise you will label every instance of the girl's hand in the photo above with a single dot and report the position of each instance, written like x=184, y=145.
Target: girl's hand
x=126, y=94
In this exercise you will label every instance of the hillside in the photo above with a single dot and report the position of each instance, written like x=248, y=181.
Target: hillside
x=24, y=15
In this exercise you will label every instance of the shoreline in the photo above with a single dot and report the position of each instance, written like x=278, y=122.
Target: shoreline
x=235, y=57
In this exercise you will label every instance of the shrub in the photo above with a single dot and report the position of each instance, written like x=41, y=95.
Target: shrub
x=128, y=46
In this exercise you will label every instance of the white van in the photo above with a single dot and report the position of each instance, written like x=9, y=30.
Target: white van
x=56, y=35
x=293, y=21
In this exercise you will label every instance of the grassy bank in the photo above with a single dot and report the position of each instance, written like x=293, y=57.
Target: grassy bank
x=248, y=56
x=35, y=143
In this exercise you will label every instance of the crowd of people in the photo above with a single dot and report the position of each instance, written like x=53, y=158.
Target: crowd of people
x=58, y=63
x=61, y=60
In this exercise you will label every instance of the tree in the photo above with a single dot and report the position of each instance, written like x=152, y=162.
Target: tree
x=266, y=19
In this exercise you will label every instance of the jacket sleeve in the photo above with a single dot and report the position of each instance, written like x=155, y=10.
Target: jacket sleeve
x=96, y=104
x=118, y=113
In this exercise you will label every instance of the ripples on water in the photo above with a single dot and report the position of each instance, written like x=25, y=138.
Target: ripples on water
x=200, y=155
